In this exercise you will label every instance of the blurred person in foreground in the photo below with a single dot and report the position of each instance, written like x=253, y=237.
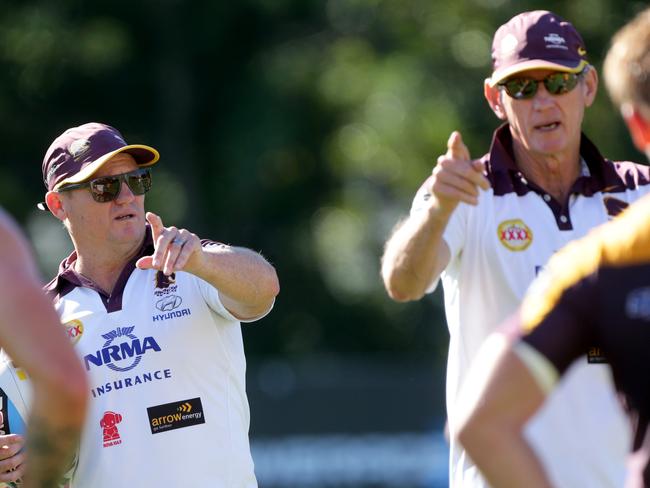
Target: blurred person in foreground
x=155, y=315
x=594, y=294
x=487, y=226
x=32, y=334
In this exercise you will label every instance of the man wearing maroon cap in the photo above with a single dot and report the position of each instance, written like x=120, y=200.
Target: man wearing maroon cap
x=487, y=226
x=154, y=312
x=595, y=292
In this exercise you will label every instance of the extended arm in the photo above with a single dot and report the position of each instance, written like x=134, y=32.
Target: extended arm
x=32, y=335
x=247, y=283
x=416, y=254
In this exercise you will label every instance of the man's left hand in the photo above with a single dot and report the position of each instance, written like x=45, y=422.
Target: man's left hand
x=174, y=249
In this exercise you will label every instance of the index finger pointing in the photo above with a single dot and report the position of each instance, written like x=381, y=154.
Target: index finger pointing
x=156, y=224
x=456, y=148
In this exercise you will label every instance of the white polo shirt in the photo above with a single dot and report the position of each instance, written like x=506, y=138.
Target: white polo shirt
x=497, y=248
x=166, y=367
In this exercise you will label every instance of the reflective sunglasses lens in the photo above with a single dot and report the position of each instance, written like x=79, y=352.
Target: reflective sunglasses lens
x=105, y=189
x=559, y=83
x=529, y=89
x=139, y=182
x=521, y=88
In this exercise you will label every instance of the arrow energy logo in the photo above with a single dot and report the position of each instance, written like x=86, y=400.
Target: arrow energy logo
x=175, y=415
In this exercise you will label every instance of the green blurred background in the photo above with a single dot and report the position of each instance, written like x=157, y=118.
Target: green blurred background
x=299, y=128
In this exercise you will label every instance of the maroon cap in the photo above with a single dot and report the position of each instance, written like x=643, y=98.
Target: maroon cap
x=536, y=40
x=79, y=152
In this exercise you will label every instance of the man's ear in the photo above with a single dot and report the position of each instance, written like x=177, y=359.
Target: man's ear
x=638, y=125
x=54, y=202
x=590, y=86
x=493, y=97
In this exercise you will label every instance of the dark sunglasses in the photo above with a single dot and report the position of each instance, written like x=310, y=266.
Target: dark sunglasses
x=107, y=188
x=555, y=83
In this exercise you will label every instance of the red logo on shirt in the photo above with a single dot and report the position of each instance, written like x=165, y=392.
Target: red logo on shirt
x=108, y=423
x=74, y=329
x=514, y=234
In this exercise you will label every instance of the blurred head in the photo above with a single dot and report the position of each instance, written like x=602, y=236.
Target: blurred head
x=97, y=184
x=627, y=76
x=541, y=82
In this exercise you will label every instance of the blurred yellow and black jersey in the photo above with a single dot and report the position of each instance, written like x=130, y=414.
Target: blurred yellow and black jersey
x=593, y=302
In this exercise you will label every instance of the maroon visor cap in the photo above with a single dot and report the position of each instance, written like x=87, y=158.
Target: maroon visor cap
x=536, y=40
x=77, y=154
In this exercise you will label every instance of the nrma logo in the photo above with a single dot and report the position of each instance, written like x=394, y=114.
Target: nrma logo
x=127, y=352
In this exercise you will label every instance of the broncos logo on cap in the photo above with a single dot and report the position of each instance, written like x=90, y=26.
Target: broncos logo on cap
x=79, y=148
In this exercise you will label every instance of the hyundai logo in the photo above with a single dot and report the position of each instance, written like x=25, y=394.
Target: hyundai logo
x=169, y=303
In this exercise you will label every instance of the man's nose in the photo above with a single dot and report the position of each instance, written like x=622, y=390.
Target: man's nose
x=125, y=195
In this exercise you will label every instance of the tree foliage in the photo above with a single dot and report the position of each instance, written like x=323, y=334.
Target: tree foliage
x=299, y=128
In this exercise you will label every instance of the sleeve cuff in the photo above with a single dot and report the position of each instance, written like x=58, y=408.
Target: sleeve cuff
x=539, y=366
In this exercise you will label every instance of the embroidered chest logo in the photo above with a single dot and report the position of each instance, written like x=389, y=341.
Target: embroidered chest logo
x=110, y=432
x=164, y=285
x=514, y=234
x=167, y=301
x=74, y=330
x=162, y=281
x=126, y=354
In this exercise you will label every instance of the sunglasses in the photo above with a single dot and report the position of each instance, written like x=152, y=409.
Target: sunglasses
x=555, y=83
x=107, y=188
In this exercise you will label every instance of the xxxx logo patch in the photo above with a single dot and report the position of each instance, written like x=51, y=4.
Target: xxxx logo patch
x=74, y=329
x=514, y=234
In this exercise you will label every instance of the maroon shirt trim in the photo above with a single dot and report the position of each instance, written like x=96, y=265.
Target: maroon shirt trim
x=605, y=176
x=68, y=279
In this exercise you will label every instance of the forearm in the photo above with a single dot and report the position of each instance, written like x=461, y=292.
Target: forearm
x=32, y=335
x=247, y=283
x=415, y=255
x=499, y=395
x=52, y=438
x=505, y=458
x=55, y=422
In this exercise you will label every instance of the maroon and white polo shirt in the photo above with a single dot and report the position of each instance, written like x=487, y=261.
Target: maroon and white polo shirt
x=166, y=366
x=497, y=248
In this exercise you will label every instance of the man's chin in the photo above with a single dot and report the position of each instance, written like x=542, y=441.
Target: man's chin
x=132, y=230
x=552, y=146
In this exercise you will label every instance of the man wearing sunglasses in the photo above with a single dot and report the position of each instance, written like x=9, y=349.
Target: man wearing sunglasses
x=594, y=293
x=154, y=313
x=488, y=226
